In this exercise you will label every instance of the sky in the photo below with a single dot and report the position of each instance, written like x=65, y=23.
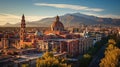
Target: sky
x=12, y=10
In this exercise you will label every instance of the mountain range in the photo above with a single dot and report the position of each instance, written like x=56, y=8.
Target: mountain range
x=70, y=20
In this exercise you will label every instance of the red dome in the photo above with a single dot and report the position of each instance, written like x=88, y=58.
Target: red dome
x=57, y=24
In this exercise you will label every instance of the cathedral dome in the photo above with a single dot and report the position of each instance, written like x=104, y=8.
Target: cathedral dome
x=57, y=25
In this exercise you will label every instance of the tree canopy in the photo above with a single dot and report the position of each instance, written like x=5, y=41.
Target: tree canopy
x=112, y=55
x=48, y=60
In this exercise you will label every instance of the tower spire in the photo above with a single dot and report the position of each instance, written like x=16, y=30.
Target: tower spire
x=57, y=18
x=23, y=25
x=23, y=17
x=22, y=30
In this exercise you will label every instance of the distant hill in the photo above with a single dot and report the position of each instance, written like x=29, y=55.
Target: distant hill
x=72, y=19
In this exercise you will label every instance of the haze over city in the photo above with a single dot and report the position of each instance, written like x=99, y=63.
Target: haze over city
x=38, y=9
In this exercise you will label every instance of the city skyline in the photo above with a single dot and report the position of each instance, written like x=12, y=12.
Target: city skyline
x=11, y=10
x=59, y=33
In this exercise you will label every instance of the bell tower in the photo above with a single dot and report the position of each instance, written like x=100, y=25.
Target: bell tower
x=22, y=30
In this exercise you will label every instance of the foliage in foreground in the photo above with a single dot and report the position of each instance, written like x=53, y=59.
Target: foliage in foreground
x=48, y=60
x=112, y=55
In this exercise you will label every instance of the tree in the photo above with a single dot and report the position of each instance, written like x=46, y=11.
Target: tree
x=116, y=38
x=85, y=60
x=112, y=55
x=111, y=41
x=25, y=65
x=47, y=55
x=55, y=49
x=48, y=60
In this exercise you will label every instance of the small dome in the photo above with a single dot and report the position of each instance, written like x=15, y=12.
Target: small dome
x=57, y=25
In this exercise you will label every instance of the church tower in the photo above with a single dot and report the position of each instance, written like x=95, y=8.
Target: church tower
x=22, y=30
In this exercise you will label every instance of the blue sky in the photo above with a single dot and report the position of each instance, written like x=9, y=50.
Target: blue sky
x=11, y=10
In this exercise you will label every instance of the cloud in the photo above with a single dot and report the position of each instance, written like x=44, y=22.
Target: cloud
x=74, y=7
x=111, y=16
x=101, y=15
x=10, y=18
x=35, y=18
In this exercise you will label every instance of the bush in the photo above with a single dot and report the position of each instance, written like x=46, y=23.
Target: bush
x=48, y=60
x=85, y=60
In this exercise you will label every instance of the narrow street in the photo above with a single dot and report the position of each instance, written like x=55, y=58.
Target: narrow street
x=96, y=60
